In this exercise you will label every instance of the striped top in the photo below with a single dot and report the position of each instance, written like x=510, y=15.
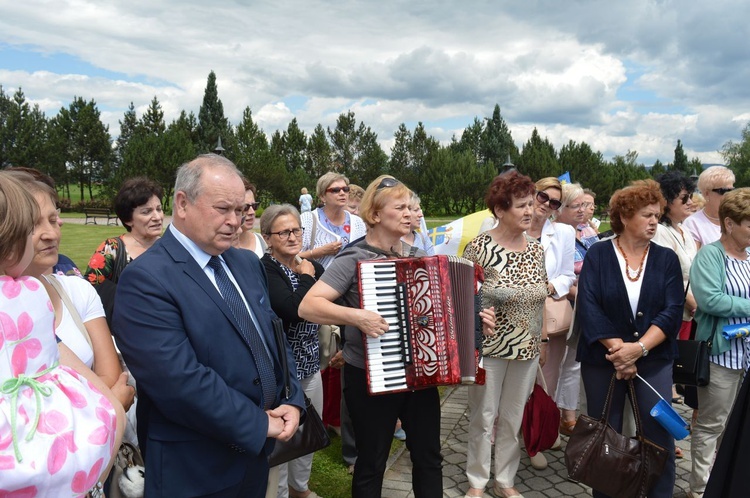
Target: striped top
x=737, y=284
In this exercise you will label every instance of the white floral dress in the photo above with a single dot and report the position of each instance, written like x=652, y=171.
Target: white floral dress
x=57, y=431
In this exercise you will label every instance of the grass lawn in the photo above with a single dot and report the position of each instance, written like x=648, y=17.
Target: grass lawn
x=80, y=241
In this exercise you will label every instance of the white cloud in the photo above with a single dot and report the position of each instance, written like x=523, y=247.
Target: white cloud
x=560, y=66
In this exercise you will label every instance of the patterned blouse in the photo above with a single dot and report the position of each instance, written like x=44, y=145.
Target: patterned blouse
x=515, y=283
x=102, y=263
x=302, y=337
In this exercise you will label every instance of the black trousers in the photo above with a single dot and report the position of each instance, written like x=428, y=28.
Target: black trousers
x=374, y=419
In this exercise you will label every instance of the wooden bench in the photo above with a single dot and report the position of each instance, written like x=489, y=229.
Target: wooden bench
x=94, y=213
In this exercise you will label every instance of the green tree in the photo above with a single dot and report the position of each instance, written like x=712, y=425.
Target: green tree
x=737, y=157
x=128, y=127
x=680, y=159
x=294, y=145
x=496, y=142
x=319, y=154
x=86, y=140
x=152, y=120
x=344, y=143
x=24, y=133
x=657, y=169
x=211, y=121
x=400, y=160
x=538, y=158
x=587, y=168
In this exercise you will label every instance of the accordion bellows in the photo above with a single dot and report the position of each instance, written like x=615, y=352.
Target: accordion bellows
x=431, y=304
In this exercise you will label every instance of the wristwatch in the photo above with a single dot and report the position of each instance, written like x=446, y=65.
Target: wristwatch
x=643, y=349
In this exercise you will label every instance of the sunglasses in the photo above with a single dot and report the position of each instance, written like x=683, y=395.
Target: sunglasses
x=721, y=191
x=685, y=198
x=543, y=198
x=387, y=183
x=254, y=205
x=336, y=190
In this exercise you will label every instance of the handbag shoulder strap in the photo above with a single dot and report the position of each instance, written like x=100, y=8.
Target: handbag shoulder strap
x=314, y=230
x=52, y=280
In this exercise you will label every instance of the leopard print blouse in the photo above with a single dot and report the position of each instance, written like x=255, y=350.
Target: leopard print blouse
x=515, y=283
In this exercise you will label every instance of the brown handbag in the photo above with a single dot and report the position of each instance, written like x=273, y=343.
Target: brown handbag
x=617, y=465
x=558, y=315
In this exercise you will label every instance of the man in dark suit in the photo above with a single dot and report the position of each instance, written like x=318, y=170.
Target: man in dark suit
x=210, y=404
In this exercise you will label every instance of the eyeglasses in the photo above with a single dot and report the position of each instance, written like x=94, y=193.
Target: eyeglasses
x=284, y=234
x=587, y=205
x=722, y=191
x=685, y=198
x=543, y=197
x=336, y=190
x=576, y=207
x=387, y=182
x=254, y=205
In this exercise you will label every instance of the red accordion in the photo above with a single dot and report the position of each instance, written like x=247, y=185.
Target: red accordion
x=431, y=305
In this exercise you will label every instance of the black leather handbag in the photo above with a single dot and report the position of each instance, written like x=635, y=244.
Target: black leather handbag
x=691, y=365
x=609, y=462
x=311, y=435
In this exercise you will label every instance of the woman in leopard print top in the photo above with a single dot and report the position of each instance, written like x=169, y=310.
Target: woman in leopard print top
x=516, y=285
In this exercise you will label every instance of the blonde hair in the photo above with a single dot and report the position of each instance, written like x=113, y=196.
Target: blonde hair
x=356, y=192
x=735, y=205
x=714, y=176
x=18, y=213
x=326, y=180
x=549, y=182
x=570, y=192
x=376, y=196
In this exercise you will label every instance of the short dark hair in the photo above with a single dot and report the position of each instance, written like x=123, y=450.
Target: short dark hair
x=135, y=192
x=671, y=184
x=507, y=186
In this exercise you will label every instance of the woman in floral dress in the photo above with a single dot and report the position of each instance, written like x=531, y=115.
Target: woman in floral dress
x=59, y=424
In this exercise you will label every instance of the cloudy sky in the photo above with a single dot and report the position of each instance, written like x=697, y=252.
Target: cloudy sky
x=619, y=75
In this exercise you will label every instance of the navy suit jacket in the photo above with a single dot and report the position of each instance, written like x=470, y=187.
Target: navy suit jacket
x=603, y=307
x=200, y=404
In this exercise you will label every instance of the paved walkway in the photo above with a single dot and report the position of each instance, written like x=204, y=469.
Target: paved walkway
x=551, y=482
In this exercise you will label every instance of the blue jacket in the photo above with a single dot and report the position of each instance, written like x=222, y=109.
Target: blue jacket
x=200, y=403
x=604, y=307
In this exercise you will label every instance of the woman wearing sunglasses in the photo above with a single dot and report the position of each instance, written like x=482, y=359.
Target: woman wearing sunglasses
x=558, y=241
x=327, y=231
x=385, y=209
x=248, y=239
x=704, y=225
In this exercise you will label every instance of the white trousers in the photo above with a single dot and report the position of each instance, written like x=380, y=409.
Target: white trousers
x=296, y=473
x=568, y=393
x=503, y=397
x=715, y=403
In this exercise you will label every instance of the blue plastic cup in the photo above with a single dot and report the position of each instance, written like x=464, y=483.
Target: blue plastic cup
x=670, y=419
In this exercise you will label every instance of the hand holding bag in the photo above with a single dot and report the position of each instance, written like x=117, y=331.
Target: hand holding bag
x=617, y=465
x=310, y=436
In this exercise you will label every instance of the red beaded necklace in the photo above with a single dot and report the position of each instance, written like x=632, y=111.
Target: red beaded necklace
x=627, y=266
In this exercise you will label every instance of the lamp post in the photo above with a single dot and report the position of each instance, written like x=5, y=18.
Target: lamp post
x=508, y=166
x=219, y=150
